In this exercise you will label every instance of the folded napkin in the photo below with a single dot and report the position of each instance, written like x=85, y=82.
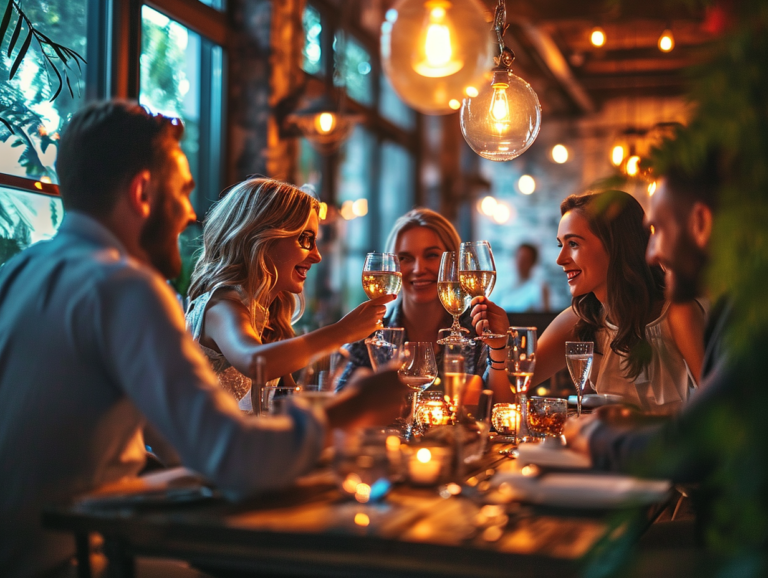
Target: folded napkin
x=582, y=490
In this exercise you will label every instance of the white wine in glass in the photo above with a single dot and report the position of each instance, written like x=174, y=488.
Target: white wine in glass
x=381, y=275
x=477, y=275
x=454, y=299
x=418, y=371
x=578, y=359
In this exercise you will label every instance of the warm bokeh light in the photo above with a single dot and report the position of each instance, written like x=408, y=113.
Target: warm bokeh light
x=350, y=483
x=526, y=184
x=325, y=122
x=424, y=455
x=488, y=205
x=347, y=212
x=471, y=91
x=437, y=43
x=502, y=213
x=652, y=188
x=362, y=519
x=597, y=38
x=559, y=154
x=393, y=443
x=322, y=213
x=633, y=165
x=617, y=155
x=363, y=493
x=666, y=41
x=454, y=104
x=360, y=208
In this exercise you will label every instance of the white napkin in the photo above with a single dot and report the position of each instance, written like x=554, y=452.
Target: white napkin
x=584, y=490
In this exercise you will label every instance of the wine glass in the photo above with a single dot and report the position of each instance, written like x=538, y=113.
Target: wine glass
x=381, y=276
x=520, y=363
x=386, y=346
x=454, y=376
x=418, y=370
x=578, y=358
x=452, y=296
x=477, y=275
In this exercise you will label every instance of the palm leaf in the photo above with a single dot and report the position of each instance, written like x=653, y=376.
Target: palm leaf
x=20, y=55
x=6, y=21
x=15, y=37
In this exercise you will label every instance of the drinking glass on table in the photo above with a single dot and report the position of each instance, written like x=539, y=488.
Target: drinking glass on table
x=520, y=363
x=477, y=275
x=455, y=377
x=386, y=346
x=418, y=371
x=578, y=358
x=454, y=299
x=381, y=276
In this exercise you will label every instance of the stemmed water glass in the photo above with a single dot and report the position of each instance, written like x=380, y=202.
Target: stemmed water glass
x=381, y=276
x=520, y=364
x=452, y=296
x=477, y=275
x=386, y=347
x=418, y=370
x=578, y=358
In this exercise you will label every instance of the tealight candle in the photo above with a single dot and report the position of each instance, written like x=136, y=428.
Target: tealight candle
x=506, y=418
x=424, y=466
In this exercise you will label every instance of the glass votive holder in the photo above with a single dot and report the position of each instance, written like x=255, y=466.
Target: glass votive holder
x=505, y=418
x=546, y=416
x=273, y=399
x=428, y=464
x=431, y=410
x=365, y=462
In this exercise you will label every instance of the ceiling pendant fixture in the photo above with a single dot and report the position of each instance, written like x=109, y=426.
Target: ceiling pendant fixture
x=324, y=122
x=435, y=52
x=503, y=119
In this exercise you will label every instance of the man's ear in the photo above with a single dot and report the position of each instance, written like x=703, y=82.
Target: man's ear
x=700, y=224
x=139, y=194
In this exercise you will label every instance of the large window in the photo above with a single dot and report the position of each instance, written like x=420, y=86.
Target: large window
x=26, y=218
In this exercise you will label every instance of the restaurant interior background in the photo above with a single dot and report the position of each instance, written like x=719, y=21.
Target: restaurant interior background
x=237, y=72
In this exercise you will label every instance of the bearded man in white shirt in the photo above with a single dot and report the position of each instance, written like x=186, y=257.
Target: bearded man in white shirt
x=92, y=343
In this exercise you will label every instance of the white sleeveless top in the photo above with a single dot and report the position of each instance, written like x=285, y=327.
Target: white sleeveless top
x=230, y=379
x=663, y=386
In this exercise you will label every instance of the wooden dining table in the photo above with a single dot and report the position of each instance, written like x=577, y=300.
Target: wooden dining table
x=312, y=529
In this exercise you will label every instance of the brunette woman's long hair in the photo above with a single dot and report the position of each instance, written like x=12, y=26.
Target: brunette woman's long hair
x=237, y=236
x=634, y=287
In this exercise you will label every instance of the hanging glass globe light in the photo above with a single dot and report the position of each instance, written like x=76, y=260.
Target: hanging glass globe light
x=324, y=123
x=504, y=119
x=435, y=52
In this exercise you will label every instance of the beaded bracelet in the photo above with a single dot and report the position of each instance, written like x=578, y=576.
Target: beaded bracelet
x=496, y=348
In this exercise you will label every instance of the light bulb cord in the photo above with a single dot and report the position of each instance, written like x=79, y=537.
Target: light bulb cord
x=500, y=26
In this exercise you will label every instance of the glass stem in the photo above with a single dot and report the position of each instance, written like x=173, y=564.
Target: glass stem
x=414, y=403
x=456, y=327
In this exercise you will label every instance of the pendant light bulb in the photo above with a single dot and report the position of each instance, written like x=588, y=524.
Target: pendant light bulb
x=499, y=110
x=433, y=50
x=666, y=41
x=436, y=56
x=325, y=122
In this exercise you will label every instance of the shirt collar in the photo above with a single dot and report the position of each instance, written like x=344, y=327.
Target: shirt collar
x=85, y=226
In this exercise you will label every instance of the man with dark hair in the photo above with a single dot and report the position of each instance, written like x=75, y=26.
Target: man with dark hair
x=714, y=441
x=529, y=291
x=92, y=342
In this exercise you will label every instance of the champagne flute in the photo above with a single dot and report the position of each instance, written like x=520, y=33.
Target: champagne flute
x=381, y=276
x=418, y=371
x=520, y=363
x=477, y=275
x=452, y=296
x=578, y=358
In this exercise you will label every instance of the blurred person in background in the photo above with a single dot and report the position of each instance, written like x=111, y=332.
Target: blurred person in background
x=529, y=291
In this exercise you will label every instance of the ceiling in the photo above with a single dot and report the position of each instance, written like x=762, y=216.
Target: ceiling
x=573, y=77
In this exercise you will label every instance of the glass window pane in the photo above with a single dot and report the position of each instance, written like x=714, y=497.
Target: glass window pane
x=312, y=53
x=25, y=219
x=25, y=100
x=354, y=186
x=218, y=4
x=396, y=187
x=394, y=109
x=356, y=64
x=170, y=77
x=310, y=168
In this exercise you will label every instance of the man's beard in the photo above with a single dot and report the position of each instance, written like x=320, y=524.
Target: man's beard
x=687, y=269
x=159, y=242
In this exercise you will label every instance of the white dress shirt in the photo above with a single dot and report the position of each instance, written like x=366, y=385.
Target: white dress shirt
x=91, y=343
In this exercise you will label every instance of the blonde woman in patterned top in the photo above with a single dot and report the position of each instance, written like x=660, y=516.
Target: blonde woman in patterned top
x=258, y=246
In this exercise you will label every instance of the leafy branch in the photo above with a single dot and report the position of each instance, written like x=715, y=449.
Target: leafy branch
x=53, y=52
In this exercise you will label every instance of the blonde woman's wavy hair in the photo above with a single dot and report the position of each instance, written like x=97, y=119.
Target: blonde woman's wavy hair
x=238, y=234
x=423, y=217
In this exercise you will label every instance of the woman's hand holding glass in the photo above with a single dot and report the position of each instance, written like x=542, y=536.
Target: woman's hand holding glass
x=364, y=319
x=486, y=314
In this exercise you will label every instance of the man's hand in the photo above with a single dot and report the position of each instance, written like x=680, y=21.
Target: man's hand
x=368, y=400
